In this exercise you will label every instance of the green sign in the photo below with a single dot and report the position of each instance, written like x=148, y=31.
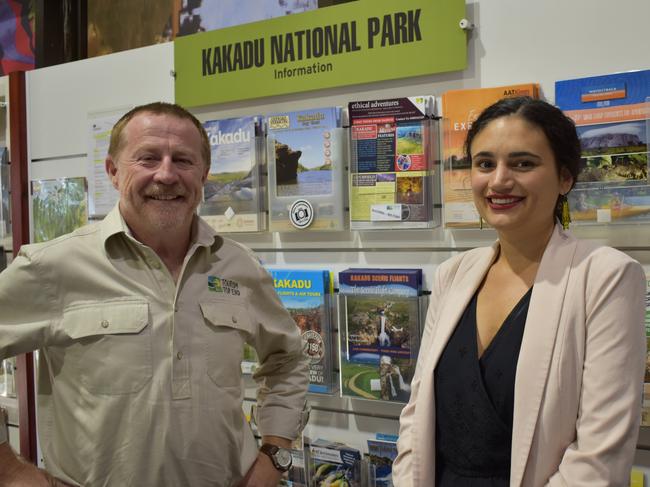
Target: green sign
x=357, y=42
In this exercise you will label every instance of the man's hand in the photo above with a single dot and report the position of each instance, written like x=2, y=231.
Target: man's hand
x=261, y=474
x=17, y=473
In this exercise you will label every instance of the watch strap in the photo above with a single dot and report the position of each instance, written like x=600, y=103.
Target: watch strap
x=271, y=450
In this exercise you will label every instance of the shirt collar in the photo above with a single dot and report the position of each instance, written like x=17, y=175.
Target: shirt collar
x=113, y=224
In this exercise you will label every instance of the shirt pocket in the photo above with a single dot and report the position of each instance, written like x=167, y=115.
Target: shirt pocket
x=228, y=328
x=111, y=349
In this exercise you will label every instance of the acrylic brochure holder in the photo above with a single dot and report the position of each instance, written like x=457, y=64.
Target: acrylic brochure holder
x=380, y=316
x=394, y=164
x=379, y=338
x=234, y=191
x=306, y=159
x=610, y=113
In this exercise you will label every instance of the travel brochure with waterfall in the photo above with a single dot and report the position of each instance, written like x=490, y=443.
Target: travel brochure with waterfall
x=380, y=339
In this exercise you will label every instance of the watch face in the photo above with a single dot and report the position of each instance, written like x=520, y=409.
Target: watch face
x=283, y=456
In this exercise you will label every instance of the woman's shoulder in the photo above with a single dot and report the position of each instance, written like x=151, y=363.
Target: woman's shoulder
x=601, y=254
x=604, y=261
x=464, y=261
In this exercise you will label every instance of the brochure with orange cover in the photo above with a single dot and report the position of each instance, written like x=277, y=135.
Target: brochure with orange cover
x=459, y=109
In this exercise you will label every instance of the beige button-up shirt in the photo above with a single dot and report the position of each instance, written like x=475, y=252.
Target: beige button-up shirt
x=139, y=379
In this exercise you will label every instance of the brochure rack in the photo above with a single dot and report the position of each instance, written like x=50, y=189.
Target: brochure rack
x=610, y=113
x=306, y=153
x=234, y=191
x=394, y=176
x=307, y=295
x=381, y=313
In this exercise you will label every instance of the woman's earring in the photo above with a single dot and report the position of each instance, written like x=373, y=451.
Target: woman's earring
x=566, y=215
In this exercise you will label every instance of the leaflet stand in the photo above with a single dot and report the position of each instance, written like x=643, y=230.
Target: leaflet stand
x=234, y=192
x=306, y=154
x=381, y=311
x=610, y=113
x=394, y=164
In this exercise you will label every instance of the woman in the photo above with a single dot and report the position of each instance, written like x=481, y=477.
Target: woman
x=531, y=364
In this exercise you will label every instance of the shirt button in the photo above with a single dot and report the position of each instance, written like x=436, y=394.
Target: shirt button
x=175, y=309
x=105, y=323
x=179, y=355
x=234, y=319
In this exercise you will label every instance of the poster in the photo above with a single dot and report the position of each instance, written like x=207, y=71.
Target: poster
x=101, y=194
x=58, y=207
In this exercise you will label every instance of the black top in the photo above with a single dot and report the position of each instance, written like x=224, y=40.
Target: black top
x=475, y=402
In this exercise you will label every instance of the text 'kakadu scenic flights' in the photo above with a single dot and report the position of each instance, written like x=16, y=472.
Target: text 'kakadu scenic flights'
x=310, y=44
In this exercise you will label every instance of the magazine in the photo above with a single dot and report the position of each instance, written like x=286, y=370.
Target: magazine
x=380, y=340
x=307, y=296
x=233, y=199
x=392, y=163
x=459, y=109
x=334, y=463
x=610, y=113
x=306, y=154
x=381, y=455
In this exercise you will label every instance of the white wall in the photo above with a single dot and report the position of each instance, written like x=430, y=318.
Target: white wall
x=514, y=41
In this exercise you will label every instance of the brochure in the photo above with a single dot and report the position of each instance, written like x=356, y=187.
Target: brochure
x=380, y=339
x=392, y=163
x=611, y=114
x=306, y=150
x=459, y=110
x=232, y=193
x=307, y=296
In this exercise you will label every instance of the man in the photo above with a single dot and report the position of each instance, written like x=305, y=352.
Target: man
x=141, y=320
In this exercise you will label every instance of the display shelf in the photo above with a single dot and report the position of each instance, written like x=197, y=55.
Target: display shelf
x=343, y=409
x=362, y=249
x=628, y=248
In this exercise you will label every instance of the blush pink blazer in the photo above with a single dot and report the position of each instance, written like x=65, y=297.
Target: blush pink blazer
x=578, y=387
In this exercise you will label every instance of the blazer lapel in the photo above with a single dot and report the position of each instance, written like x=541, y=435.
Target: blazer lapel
x=464, y=284
x=542, y=322
x=469, y=277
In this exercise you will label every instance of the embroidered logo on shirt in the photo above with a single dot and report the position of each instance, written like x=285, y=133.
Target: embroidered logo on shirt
x=225, y=286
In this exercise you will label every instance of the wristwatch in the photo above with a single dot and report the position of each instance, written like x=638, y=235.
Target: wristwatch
x=281, y=457
x=4, y=428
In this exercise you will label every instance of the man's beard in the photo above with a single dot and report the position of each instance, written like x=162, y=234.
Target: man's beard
x=166, y=215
